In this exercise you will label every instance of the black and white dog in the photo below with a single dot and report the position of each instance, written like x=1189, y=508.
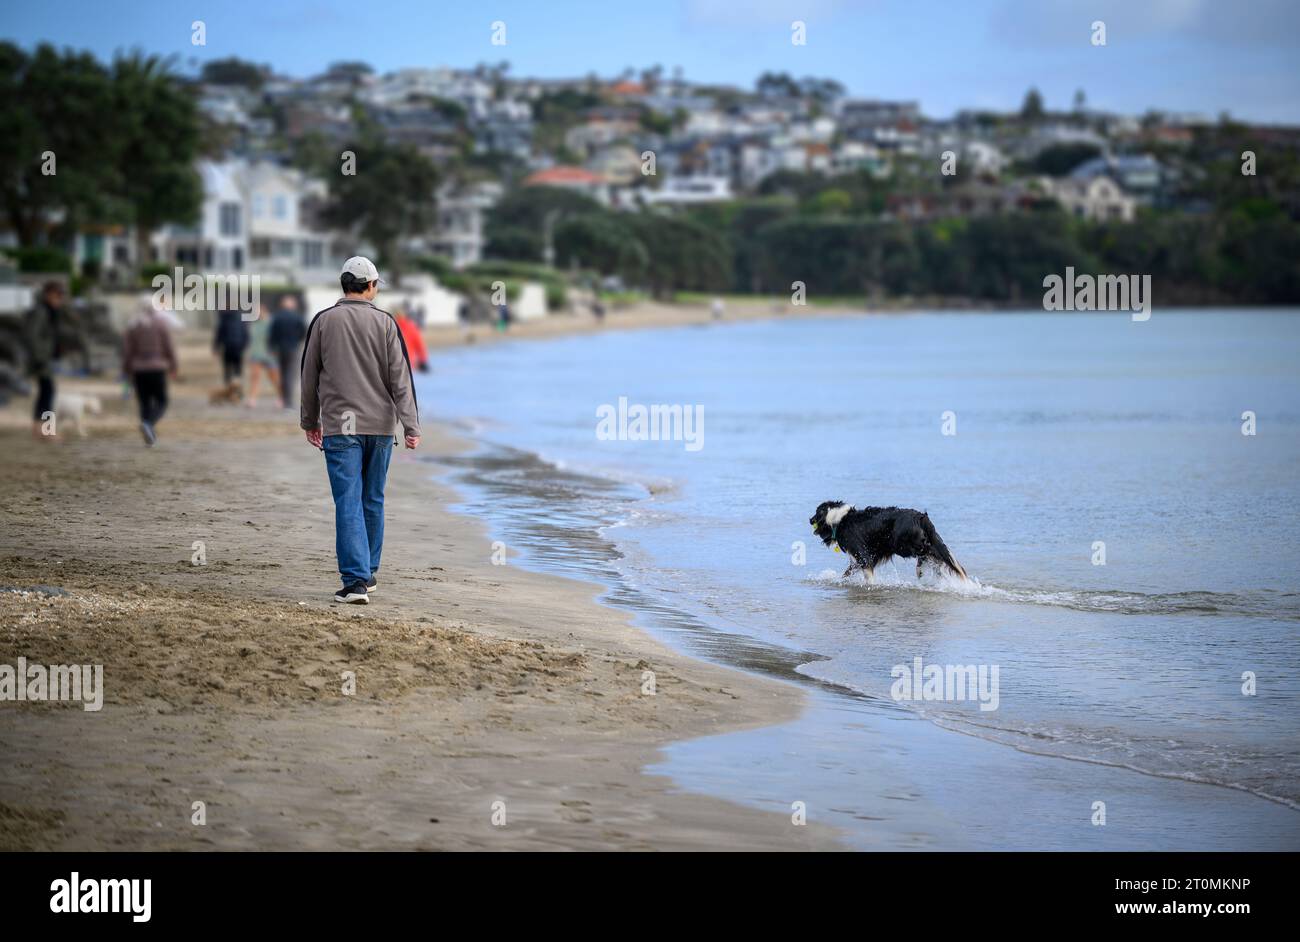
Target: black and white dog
x=874, y=534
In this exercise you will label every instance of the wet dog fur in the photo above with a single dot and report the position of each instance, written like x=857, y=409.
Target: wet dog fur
x=872, y=535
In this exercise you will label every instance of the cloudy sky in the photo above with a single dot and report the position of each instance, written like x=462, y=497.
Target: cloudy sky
x=1204, y=56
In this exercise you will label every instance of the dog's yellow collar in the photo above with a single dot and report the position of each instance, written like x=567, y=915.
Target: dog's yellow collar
x=835, y=546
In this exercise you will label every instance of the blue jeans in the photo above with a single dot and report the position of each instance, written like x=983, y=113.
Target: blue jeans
x=358, y=467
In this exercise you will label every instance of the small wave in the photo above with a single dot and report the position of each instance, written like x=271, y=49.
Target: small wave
x=1023, y=740
x=1281, y=605
x=637, y=515
x=1075, y=745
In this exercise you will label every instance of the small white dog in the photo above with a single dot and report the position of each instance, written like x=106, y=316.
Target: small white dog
x=70, y=409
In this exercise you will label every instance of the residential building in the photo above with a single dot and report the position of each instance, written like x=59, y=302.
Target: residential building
x=257, y=218
x=1139, y=174
x=461, y=213
x=620, y=164
x=219, y=240
x=1099, y=198
x=577, y=179
x=852, y=156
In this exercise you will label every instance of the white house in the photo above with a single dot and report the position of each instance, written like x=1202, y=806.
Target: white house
x=1139, y=174
x=757, y=160
x=461, y=211
x=1097, y=199
x=219, y=241
x=256, y=219
x=473, y=93
x=851, y=156
x=286, y=242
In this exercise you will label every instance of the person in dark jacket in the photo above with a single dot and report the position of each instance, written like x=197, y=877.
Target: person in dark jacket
x=285, y=339
x=42, y=331
x=229, y=342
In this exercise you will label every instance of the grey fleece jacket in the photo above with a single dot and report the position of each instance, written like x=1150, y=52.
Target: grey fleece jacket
x=355, y=367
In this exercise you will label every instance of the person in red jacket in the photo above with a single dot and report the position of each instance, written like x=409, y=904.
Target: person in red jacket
x=413, y=339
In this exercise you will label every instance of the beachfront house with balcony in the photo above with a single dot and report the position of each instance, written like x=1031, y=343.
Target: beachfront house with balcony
x=257, y=218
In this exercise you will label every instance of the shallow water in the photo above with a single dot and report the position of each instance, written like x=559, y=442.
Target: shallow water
x=1069, y=430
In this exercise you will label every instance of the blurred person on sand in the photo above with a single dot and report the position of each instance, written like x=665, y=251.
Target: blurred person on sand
x=229, y=342
x=356, y=387
x=44, y=328
x=413, y=339
x=148, y=356
x=261, y=362
x=285, y=338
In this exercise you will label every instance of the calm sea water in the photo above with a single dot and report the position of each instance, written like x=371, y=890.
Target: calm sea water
x=1070, y=430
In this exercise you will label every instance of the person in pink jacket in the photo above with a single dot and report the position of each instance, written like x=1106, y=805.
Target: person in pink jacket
x=148, y=357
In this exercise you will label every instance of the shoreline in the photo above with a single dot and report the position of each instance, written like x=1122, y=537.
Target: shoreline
x=475, y=683
x=504, y=481
x=647, y=315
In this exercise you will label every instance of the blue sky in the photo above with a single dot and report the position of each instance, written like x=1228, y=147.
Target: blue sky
x=1185, y=55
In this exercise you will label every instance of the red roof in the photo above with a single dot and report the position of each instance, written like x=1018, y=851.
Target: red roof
x=564, y=176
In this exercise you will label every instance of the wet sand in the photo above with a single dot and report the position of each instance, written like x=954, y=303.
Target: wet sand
x=494, y=708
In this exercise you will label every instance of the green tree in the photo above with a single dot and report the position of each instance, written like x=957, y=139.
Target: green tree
x=1059, y=159
x=776, y=85
x=514, y=226
x=1032, y=108
x=234, y=71
x=832, y=201
x=683, y=254
x=157, y=125
x=60, y=104
x=392, y=196
x=603, y=241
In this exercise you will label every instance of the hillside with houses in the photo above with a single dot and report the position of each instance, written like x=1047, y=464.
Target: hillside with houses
x=650, y=183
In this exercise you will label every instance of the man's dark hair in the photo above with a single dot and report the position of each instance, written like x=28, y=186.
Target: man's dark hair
x=51, y=287
x=352, y=284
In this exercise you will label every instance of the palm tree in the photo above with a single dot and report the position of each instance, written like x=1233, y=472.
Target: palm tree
x=160, y=130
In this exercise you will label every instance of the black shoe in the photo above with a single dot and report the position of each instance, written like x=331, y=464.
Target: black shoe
x=354, y=594
x=372, y=584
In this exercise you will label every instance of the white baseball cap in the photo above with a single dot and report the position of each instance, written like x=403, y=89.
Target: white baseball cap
x=360, y=267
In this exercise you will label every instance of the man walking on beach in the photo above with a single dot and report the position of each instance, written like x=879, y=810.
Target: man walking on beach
x=356, y=387
x=43, y=332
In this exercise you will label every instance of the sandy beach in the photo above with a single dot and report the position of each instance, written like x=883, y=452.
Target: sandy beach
x=494, y=708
